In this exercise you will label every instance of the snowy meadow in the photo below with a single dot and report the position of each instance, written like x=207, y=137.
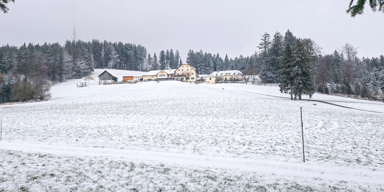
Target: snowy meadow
x=174, y=136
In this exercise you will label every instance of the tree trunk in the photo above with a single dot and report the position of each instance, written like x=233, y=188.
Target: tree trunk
x=300, y=96
x=291, y=93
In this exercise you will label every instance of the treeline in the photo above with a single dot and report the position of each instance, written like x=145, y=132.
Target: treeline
x=168, y=60
x=304, y=66
x=26, y=72
x=206, y=63
x=300, y=64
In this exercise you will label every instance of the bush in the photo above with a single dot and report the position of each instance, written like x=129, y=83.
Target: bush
x=365, y=92
x=338, y=89
x=22, y=91
x=26, y=90
x=326, y=90
x=357, y=89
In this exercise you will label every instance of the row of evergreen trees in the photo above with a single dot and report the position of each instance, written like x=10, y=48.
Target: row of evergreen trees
x=287, y=60
x=168, y=60
x=23, y=68
x=206, y=63
x=300, y=64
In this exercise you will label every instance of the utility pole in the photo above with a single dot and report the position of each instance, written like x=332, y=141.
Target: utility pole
x=302, y=131
x=1, y=129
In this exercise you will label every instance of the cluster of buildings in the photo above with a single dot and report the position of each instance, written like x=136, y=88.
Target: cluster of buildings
x=184, y=72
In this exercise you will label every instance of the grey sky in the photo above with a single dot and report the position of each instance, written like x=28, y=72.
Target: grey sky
x=216, y=26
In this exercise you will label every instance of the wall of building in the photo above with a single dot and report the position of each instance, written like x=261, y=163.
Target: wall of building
x=210, y=80
x=187, y=70
x=162, y=74
x=106, y=76
x=149, y=77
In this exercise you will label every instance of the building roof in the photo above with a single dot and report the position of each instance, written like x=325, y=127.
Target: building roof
x=186, y=64
x=228, y=72
x=108, y=73
x=155, y=72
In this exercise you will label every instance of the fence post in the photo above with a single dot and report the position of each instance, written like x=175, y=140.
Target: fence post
x=302, y=132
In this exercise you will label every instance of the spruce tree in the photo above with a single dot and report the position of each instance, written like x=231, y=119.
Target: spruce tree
x=172, y=60
x=177, y=59
x=274, y=55
x=286, y=69
x=266, y=73
x=302, y=74
x=226, y=63
x=167, y=59
x=162, y=60
x=150, y=62
x=155, y=65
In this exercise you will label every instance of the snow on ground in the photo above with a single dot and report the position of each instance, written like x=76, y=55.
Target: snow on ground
x=220, y=131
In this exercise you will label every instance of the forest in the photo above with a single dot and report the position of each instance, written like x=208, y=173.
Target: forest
x=27, y=72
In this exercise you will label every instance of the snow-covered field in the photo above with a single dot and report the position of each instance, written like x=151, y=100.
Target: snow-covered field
x=177, y=136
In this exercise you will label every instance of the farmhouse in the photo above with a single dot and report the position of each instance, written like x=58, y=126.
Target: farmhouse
x=229, y=75
x=185, y=72
x=210, y=80
x=159, y=74
x=107, y=78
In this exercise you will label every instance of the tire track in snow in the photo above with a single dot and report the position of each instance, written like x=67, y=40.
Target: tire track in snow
x=261, y=166
x=319, y=101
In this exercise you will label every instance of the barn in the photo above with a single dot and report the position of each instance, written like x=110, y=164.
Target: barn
x=127, y=78
x=107, y=78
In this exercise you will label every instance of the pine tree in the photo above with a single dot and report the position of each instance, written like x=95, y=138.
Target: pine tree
x=302, y=74
x=286, y=70
x=191, y=58
x=162, y=60
x=266, y=73
x=290, y=39
x=226, y=63
x=97, y=51
x=336, y=67
x=177, y=60
x=167, y=59
x=155, y=65
x=274, y=55
x=265, y=44
x=150, y=62
x=172, y=60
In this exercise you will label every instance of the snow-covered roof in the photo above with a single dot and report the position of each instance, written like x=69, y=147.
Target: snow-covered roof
x=228, y=72
x=117, y=73
x=152, y=72
x=170, y=71
x=155, y=72
x=187, y=64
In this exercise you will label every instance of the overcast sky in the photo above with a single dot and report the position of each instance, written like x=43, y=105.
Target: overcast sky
x=217, y=26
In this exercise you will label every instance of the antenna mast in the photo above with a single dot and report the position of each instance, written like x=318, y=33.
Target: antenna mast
x=74, y=21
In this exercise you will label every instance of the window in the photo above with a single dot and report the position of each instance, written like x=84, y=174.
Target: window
x=187, y=69
x=182, y=70
x=210, y=79
x=179, y=69
x=192, y=73
x=192, y=78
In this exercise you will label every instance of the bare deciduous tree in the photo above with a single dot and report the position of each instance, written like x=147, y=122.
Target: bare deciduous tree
x=88, y=78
